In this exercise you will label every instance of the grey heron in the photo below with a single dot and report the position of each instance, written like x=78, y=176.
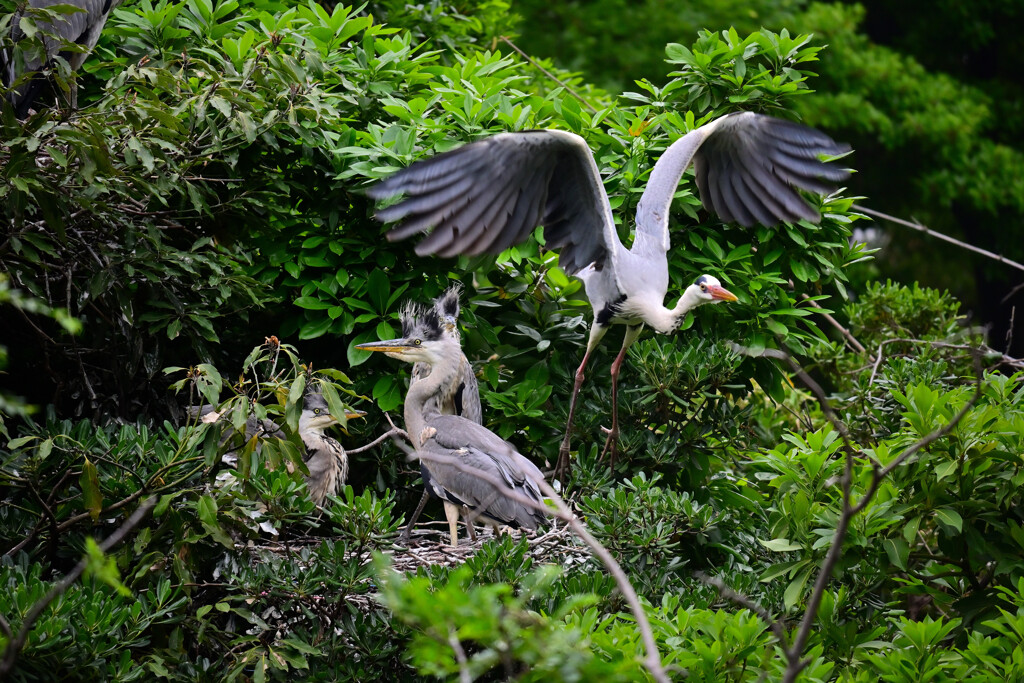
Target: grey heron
x=455, y=436
x=325, y=458
x=490, y=194
x=82, y=27
x=461, y=397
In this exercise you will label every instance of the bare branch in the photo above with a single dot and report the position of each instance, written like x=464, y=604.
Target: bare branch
x=938, y=235
x=815, y=388
x=849, y=511
x=794, y=652
x=857, y=346
x=460, y=656
x=743, y=601
x=393, y=432
x=978, y=350
x=550, y=75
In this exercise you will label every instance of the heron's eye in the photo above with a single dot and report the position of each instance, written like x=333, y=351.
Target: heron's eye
x=703, y=288
x=316, y=411
x=417, y=342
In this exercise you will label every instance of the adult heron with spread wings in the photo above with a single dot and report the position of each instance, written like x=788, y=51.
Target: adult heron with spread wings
x=489, y=195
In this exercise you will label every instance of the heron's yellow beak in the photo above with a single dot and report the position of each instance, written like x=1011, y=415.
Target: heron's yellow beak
x=721, y=294
x=326, y=420
x=322, y=421
x=388, y=346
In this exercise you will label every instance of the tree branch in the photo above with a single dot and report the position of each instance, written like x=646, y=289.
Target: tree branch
x=460, y=657
x=794, y=652
x=857, y=346
x=15, y=644
x=550, y=75
x=938, y=235
x=743, y=601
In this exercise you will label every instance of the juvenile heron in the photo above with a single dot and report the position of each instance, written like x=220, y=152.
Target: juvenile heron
x=461, y=397
x=452, y=435
x=489, y=195
x=325, y=458
x=82, y=27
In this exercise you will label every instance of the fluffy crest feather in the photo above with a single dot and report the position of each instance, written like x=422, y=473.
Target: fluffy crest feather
x=420, y=322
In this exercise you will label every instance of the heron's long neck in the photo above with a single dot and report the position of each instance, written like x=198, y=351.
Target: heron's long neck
x=653, y=209
x=420, y=393
x=667, y=320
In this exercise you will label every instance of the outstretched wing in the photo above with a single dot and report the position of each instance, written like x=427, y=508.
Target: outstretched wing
x=489, y=195
x=749, y=168
x=751, y=165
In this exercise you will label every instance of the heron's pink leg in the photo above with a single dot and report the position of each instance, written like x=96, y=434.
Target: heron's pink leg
x=562, y=466
x=613, y=434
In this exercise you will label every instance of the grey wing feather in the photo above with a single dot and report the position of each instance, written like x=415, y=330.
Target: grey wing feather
x=748, y=169
x=461, y=487
x=455, y=433
x=489, y=195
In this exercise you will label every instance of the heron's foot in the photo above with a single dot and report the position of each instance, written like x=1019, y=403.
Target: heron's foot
x=610, y=446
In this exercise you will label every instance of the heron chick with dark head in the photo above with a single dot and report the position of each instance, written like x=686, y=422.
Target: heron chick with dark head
x=452, y=436
x=461, y=397
x=325, y=458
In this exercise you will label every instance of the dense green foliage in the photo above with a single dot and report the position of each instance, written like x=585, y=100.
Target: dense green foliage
x=207, y=200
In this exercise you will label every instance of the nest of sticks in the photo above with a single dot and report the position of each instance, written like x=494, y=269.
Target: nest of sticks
x=430, y=547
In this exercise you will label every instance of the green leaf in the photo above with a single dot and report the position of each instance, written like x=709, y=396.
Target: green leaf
x=945, y=469
x=90, y=482
x=358, y=356
x=795, y=589
x=207, y=510
x=780, y=545
x=897, y=550
x=315, y=328
x=378, y=288
x=165, y=501
x=950, y=517
x=104, y=568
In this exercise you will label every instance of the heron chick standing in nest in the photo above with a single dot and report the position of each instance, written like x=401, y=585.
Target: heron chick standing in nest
x=325, y=458
x=460, y=397
x=453, y=436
